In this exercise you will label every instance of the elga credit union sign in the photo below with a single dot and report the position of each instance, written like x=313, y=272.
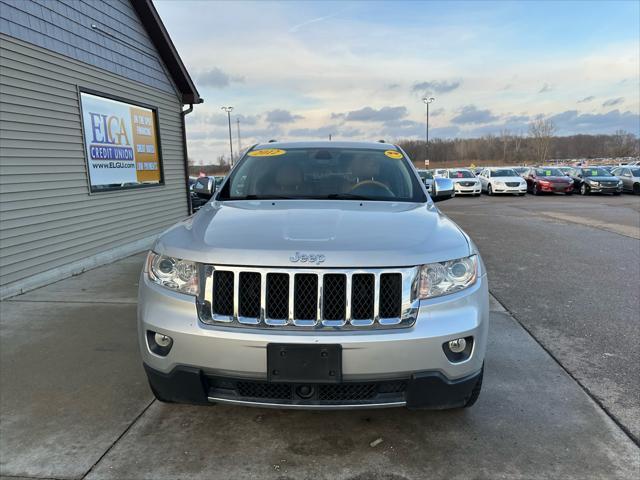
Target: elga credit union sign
x=122, y=143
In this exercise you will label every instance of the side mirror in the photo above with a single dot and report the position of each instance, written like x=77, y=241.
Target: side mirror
x=442, y=189
x=205, y=187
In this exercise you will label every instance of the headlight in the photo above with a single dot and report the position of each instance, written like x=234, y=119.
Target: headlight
x=499, y=184
x=173, y=273
x=443, y=278
x=595, y=184
x=619, y=183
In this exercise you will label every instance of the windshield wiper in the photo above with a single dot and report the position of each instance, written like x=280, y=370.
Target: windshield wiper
x=262, y=197
x=347, y=196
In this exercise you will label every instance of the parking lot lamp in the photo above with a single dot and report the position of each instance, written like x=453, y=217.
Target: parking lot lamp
x=427, y=101
x=228, y=110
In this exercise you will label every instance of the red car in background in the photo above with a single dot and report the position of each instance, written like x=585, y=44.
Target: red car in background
x=547, y=180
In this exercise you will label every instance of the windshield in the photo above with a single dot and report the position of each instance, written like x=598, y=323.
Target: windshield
x=425, y=174
x=460, y=174
x=504, y=172
x=520, y=169
x=595, y=172
x=549, y=172
x=324, y=173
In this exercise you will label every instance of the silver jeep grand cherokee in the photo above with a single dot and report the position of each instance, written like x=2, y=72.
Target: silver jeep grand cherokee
x=320, y=275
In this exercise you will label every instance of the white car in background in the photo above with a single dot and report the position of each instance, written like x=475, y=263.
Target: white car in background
x=440, y=173
x=502, y=180
x=464, y=181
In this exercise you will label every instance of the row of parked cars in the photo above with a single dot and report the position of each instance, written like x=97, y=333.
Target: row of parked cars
x=539, y=180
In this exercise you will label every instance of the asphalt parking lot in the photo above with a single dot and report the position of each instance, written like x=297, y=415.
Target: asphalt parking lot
x=568, y=268
x=74, y=401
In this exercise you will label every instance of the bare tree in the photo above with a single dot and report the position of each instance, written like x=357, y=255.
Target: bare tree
x=623, y=144
x=541, y=131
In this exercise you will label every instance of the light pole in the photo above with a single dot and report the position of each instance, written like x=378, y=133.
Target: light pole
x=239, y=141
x=427, y=101
x=228, y=110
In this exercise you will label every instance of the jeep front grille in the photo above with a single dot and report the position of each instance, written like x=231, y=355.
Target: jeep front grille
x=308, y=298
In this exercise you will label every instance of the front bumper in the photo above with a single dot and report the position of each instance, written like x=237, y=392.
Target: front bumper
x=428, y=390
x=514, y=190
x=602, y=189
x=463, y=190
x=367, y=356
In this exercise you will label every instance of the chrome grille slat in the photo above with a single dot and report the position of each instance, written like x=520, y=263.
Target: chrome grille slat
x=336, y=298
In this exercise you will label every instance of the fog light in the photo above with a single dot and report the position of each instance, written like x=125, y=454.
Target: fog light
x=159, y=343
x=164, y=341
x=458, y=345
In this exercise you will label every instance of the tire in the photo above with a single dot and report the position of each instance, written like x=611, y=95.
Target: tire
x=475, y=393
x=584, y=190
x=535, y=190
x=489, y=190
x=617, y=193
x=636, y=188
x=521, y=194
x=568, y=193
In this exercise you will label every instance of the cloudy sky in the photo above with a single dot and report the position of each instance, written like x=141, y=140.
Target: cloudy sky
x=304, y=70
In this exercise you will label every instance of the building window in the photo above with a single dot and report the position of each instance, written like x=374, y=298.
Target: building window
x=122, y=143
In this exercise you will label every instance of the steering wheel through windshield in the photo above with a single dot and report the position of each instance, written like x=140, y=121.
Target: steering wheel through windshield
x=372, y=188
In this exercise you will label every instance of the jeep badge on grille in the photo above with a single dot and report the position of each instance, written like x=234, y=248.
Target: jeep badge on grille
x=307, y=258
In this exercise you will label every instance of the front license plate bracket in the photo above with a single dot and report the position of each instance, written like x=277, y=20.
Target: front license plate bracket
x=296, y=363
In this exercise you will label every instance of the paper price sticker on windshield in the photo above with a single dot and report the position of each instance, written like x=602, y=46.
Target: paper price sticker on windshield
x=393, y=154
x=547, y=173
x=268, y=152
x=594, y=173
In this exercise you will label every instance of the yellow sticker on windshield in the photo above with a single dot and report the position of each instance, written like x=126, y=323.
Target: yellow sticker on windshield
x=267, y=152
x=393, y=154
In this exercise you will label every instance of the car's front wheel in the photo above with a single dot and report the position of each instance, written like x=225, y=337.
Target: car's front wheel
x=535, y=190
x=489, y=190
x=636, y=188
x=584, y=190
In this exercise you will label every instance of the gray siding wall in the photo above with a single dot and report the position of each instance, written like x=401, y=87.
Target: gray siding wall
x=47, y=217
x=120, y=46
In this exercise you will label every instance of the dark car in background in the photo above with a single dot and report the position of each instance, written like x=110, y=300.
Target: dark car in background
x=427, y=178
x=587, y=180
x=547, y=180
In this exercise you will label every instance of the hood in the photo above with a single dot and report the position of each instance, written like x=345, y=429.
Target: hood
x=456, y=180
x=347, y=233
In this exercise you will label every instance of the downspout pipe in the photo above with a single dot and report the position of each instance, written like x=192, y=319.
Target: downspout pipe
x=185, y=155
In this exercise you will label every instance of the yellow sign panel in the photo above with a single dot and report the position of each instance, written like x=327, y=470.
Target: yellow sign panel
x=393, y=154
x=267, y=152
x=144, y=138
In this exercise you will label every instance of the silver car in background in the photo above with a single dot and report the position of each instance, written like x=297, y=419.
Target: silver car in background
x=630, y=177
x=320, y=275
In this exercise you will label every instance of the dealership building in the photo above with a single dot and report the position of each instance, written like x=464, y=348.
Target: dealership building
x=93, y=159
